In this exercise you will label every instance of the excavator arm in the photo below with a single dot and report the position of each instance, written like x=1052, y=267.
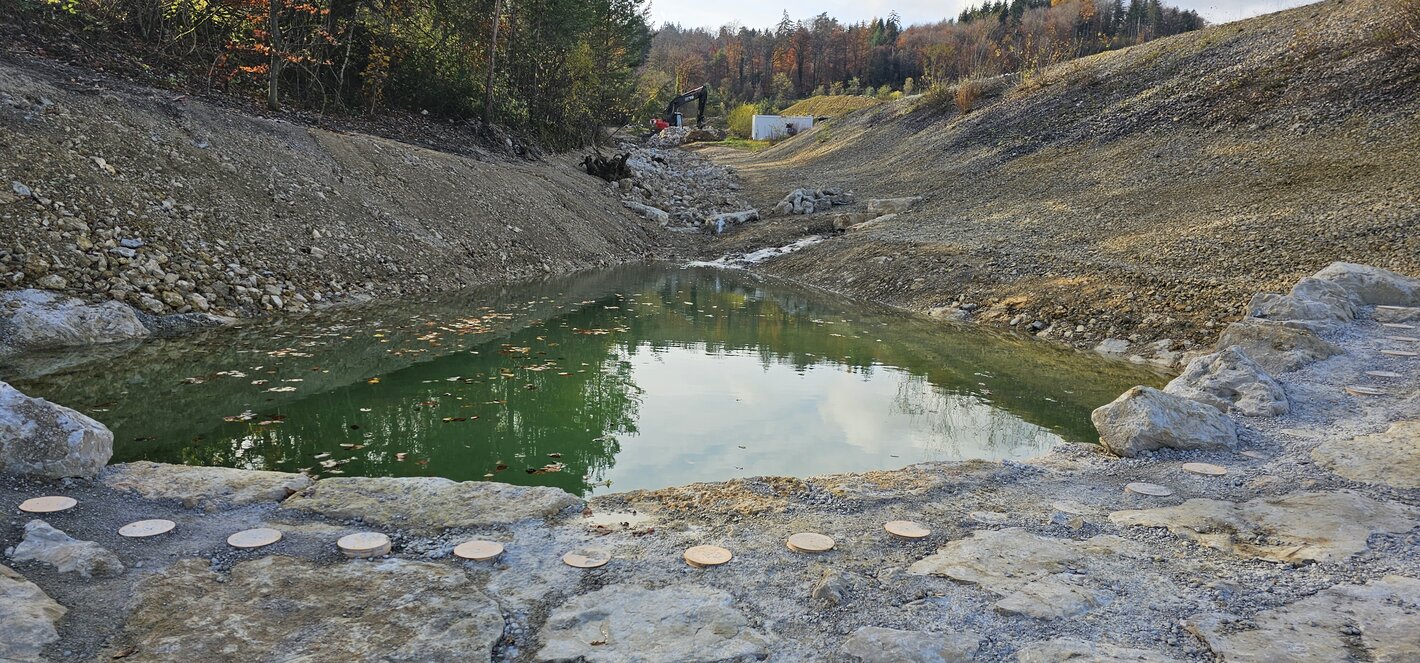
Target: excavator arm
x=700, y=95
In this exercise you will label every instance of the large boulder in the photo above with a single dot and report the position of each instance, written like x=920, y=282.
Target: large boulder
x=429, y=503
x=40, y=438
x=28, y=618
x=207, y=487
x=879, y=206
x=1277, y=347
x=44, y=543
x=1372, y=285
x=1231, y=381
x=284, y=609
x=678, y=624
x=33, y=320
x=1144, y=419
x=873, y=644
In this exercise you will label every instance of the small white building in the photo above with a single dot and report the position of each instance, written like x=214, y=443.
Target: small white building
x=774, y=127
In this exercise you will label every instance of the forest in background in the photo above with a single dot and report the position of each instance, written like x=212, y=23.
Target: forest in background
x=559, y=71
x=772, y=67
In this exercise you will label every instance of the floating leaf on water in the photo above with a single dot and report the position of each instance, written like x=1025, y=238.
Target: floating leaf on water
x=400, y=455
x=373, y=381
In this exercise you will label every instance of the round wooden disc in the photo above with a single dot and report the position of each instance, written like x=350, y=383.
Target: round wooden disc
x=254, y=538
x=364, y=544
x=809, y=542
x=1255, y=455
x=906, y=529
x=703, y=556
x=1206, y=469
x=48, y=504
x=1404, y=339
x=586, y=558
x=1362, y=390
x=478, y=551
x=1397, y=325
x=1071, y=507
x=1150, y=489
x=1400, y=353
x=145, y=528
x=1384, y=374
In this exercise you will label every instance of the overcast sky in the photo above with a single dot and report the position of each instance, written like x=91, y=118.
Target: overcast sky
x=765, y=13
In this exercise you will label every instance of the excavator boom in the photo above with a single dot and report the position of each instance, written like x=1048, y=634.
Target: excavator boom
x=700, y=94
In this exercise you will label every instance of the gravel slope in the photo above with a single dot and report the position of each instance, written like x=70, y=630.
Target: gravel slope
x=1141, y=194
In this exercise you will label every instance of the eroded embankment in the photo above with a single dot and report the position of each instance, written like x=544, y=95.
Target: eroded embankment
x=170, y=204
x=1306, y=549
x=1140, y=194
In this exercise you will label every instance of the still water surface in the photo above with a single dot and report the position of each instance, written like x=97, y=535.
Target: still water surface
x=631, y=378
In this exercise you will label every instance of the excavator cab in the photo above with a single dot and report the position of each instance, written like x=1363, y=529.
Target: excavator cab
x=674, y=119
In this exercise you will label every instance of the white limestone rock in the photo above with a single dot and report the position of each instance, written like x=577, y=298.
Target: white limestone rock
x=1144, y=419
x=44, y=543
x=1229, y=380
x=1372, y=285
x=1276, y=347
x=36, y=320
x=28, y=618
x=44, y=439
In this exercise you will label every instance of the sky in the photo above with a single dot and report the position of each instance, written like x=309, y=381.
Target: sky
x=759, y=13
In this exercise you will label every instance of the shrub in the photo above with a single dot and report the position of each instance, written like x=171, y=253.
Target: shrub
x=907, y=86
x=967, y=92
x=741, y=120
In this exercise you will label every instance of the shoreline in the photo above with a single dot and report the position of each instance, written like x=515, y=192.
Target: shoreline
x=1152, y=574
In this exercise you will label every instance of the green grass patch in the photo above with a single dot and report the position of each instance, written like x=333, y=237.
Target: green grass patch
x=744, y=144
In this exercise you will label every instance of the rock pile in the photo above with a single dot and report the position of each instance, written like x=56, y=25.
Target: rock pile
x=677, y=136
x=679, y=189
x=808, y=201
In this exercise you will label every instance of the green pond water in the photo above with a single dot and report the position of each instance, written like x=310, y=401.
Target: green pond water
x=631, y=378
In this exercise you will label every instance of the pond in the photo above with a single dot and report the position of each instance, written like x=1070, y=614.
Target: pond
x=630, y=378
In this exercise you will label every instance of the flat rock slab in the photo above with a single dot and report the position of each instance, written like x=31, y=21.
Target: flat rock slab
x=281, y=608
x=208, y=487
x=1391, y=457
x=1378, y=621
x=1032, y=574
x=872, y=644
x=1296, y=528
x=624, y=623
x=429, y=502
x=1074, y=650
x=28, y=618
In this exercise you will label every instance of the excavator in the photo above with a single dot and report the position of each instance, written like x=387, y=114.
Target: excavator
x=673, y=119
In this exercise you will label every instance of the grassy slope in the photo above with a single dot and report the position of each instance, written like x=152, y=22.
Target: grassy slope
x=1149, y=189
x=831, y=106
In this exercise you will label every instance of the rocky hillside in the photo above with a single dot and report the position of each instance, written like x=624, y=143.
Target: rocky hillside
x=1140, y=194
x=111, y=191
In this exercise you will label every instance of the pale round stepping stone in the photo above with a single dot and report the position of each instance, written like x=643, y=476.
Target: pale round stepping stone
x=364, y=544
x=1397, y=325
x=478, y=551
x=1150, y=489
x=1400, y=353
x=704, y=556
x=1255, y=455
x=1404, y=339
x=254, y=538
x=988, y=517
x=1362, y=390
x=586, y=558
x=146, y=528
x=809, y=542
x=1205, y=469
x=906, y=529
x=48, y=504
x=1384, y=374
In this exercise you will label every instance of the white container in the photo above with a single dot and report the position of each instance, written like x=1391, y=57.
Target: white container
x=774, y=127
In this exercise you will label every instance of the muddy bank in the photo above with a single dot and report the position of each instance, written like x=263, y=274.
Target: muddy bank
x=170, y=204
x=1306, y=549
